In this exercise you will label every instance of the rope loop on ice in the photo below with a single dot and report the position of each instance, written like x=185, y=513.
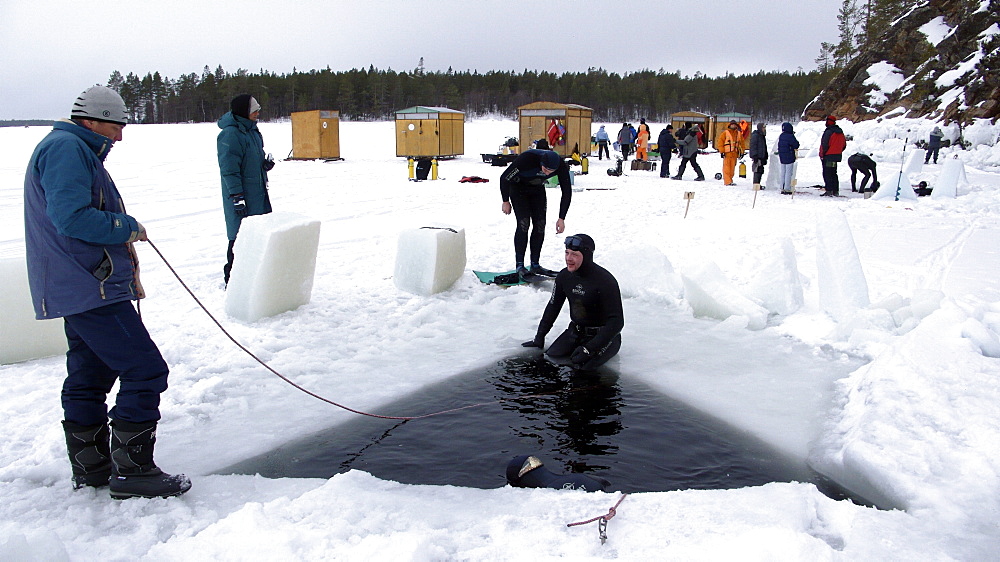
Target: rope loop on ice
x=602, y=525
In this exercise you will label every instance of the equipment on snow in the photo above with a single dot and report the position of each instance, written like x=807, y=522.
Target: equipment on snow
x=509, y=278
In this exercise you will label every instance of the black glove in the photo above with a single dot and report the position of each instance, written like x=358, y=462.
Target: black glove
x=268, y=163
x=239, y=205
x=580, y=356
x=538, y=342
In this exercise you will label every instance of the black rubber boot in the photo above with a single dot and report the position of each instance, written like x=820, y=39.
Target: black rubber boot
x=89, y=454
x=134, y=473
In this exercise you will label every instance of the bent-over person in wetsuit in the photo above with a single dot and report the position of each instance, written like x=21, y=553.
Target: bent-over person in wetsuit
x=595, y=307
x=863, y=163
x=522, y=187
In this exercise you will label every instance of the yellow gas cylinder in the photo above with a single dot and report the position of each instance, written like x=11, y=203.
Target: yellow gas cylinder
x=434, y=168
x=409, y=166
x=584, y=165
x=743, y=170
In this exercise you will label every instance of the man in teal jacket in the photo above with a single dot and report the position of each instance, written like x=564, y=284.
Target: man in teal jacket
x=82, y=268
x=244, y=168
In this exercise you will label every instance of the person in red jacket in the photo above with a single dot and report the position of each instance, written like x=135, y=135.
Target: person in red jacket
x=831, y=150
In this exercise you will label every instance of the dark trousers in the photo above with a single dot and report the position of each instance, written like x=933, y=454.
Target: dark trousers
x=830, y=180
x=664, y=163
x=602, y=151
x=864, y=180
x=625, y=151
x=569, y=340
x=529, y=209
x=694, y=166
x=107, y=344
x=228, y=268
x=758, y=169
x=933, y=151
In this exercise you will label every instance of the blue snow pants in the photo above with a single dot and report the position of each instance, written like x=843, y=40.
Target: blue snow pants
x=107, y=344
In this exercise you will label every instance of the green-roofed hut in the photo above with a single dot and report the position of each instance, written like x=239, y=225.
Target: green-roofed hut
x=430, y=132
x=721, y=121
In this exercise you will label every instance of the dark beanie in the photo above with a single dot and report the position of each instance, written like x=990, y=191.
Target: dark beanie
x=241, y=105
x=551, y=160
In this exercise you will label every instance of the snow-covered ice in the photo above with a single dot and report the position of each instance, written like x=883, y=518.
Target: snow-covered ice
x=916, y=427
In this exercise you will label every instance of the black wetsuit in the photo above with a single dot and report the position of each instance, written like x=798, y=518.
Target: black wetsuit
x=523, y=184
x=595, y=311
x=862, y=163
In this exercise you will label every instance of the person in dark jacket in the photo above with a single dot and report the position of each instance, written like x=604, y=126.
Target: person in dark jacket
x=595, y=309
x=83, y=268
x=863, y=163
x=788, y=146
x=831, y=150
x=666, y=144
x=522, y=188
x=625, y=140
x=934, y=144
x=758, y=153
x=243, y=167
x=688, y=147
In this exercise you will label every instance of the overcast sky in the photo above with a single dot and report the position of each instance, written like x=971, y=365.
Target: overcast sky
x=51, y=50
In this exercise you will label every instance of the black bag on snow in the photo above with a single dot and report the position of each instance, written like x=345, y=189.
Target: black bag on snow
x=423, y=168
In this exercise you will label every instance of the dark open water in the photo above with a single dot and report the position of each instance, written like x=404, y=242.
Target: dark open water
x=596, y=423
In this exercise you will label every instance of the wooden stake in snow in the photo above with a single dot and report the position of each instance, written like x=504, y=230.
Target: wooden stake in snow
x=756, y=188
x=689, y=195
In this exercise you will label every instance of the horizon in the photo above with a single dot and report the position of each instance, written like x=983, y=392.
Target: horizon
x=570, y=36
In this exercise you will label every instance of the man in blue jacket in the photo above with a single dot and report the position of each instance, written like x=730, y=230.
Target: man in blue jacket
x=83, y=268
x=244, y=168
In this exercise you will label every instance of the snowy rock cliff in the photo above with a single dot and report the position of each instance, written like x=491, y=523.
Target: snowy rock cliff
x=941, y=61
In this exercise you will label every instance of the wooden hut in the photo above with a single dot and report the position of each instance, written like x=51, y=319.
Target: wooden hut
x=430, y=132
x=684, y=119
x=721, y=121
x=536, y=122
x=315, y=134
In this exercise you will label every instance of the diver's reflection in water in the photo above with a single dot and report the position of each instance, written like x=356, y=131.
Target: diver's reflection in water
x=573, y=413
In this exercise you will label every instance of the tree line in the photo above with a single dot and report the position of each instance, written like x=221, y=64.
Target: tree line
x=373, y=94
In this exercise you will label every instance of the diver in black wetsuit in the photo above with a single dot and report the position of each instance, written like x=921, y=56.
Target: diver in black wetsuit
x=595, y=308
x=522, y=186
x=863, y=163
x=529, y=472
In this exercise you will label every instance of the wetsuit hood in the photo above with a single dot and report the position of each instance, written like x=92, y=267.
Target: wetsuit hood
x=585, y=245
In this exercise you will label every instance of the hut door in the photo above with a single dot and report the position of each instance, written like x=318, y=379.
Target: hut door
x=428, y=137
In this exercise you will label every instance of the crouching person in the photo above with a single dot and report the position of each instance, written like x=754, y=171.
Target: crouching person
x=595, y=306
x=83, y=268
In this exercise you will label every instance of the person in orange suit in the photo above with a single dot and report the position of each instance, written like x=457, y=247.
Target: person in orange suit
x=730, y=146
